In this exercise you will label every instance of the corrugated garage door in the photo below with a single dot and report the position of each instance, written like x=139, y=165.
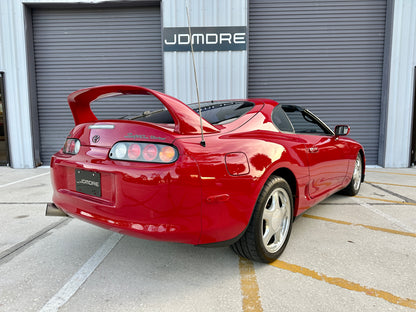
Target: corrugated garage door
x=78, y=48
x=324, y=55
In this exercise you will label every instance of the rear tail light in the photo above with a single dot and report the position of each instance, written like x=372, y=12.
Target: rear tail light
x=72, y=146
x=134, y=151
x=120, y=151
x=150, y=152
x=144, y=152
x=167, y=153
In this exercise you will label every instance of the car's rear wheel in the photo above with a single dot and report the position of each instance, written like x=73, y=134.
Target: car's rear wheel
x=268, y=232
x=354, y=187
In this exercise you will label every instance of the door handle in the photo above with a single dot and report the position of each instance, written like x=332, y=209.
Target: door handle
x=313, y=149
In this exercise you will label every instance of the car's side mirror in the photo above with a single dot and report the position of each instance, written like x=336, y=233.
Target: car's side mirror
x=342, y=130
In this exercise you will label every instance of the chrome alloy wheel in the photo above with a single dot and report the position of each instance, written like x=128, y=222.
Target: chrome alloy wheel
x=357, y=175
x=277, y=214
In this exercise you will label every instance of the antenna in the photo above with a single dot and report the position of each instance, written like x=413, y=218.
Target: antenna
x=196, y=80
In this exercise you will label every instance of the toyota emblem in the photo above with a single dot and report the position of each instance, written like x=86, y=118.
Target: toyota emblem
x=95, y=139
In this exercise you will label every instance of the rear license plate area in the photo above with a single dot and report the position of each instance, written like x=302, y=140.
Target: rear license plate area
x=88, y=182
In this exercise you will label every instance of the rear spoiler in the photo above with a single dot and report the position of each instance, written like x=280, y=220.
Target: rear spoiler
x=186, y=120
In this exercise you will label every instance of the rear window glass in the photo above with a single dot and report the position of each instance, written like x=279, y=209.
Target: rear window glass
x=214, y=112
x=281, y=120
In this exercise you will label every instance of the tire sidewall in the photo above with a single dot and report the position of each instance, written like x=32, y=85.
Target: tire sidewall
x=356, y=190
x=271, y=184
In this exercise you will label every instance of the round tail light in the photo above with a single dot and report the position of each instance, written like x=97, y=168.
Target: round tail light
x=134, y=151
x=167, y=154
x=150, y=152
x=120, y=150
x=72, y=146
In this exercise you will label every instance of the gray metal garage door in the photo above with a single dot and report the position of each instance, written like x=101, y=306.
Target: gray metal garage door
x=78, y=48
x=324, y=55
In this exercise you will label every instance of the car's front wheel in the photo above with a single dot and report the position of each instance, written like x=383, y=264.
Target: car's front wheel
x=268, y=232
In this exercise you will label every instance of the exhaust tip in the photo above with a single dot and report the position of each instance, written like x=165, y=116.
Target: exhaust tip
x=53, y=211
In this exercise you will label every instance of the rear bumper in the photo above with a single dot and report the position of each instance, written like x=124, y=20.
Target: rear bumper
x=150, y=201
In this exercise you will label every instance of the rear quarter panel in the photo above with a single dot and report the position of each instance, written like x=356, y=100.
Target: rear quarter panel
x=266, y=151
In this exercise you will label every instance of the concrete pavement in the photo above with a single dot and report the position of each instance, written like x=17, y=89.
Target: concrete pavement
x=345, y=254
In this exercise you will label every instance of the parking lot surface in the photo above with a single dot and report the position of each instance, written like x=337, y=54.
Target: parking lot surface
x=345, y=254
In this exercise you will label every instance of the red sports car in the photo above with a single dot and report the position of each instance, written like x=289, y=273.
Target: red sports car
x=241, y=182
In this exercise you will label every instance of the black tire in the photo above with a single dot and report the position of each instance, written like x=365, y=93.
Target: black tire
x=271, y=223
x=355, y=184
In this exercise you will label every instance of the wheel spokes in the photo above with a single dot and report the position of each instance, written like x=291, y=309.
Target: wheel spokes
x=268, y=216
x=276, y=220
x=267, y=236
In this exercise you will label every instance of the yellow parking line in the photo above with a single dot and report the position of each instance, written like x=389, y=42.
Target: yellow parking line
x=343, y=283
x=396, y=173
x=392, y=184
x=249, y=286
x=387, y=200
x=374, y=228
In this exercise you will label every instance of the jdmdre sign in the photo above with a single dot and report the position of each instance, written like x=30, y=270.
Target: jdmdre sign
x=233, y=38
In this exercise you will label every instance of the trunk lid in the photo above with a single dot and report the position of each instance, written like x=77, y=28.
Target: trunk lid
x=107, y=133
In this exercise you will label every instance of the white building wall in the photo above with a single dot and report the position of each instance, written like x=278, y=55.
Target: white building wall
x=400, y=100
x=13, y=62
x=221, y=74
